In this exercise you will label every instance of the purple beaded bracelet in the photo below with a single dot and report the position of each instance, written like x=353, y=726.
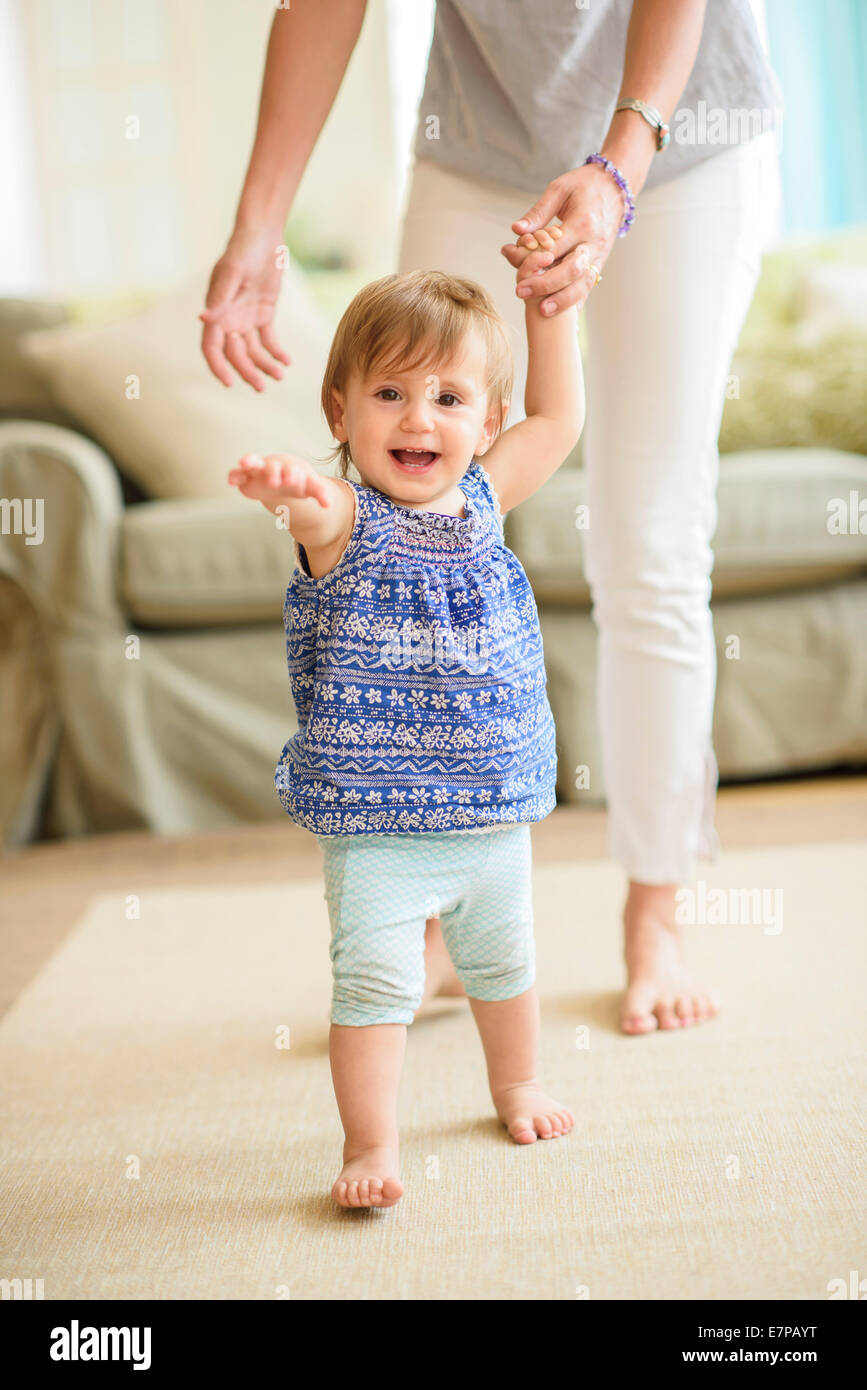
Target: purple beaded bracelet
x=621, y=184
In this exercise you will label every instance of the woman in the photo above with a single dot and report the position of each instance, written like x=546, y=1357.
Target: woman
x=517, y=96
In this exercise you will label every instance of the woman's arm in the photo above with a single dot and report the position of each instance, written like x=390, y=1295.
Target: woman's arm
x=308, y=51
x=661, y=45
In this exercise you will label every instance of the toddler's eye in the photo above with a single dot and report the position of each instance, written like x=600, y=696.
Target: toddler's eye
x=387, y=388
x=449, y=395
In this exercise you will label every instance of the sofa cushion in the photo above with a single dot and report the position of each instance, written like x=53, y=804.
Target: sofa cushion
x=207, y=562
x=24, y=393
x=797, y=377
x=772, y=533
x=793, y=700
x=794, y=391
x=203, y=563
x=185, y=430
x=832, y=296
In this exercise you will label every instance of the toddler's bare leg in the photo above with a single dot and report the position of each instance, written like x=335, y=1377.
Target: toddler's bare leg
x=366, y=1064
x=509, y=1031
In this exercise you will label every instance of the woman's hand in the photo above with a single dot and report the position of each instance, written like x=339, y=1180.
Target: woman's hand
x=241, y=298
x=590, y=208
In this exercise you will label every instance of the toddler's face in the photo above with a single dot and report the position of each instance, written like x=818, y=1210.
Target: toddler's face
x=442, y=414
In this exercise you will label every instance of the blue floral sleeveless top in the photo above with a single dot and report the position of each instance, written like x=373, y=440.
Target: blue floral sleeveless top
x=418, y=675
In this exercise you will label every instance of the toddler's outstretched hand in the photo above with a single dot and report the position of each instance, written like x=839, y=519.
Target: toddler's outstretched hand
x=277, y=477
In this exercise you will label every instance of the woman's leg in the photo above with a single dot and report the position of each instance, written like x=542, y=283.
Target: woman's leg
x=662, y=328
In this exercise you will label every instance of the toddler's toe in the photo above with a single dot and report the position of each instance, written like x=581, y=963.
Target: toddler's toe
x=522, y=1130
x=392, y=1191
x=543, y=1125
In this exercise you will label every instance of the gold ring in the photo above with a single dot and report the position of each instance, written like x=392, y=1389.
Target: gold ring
x=597, y=272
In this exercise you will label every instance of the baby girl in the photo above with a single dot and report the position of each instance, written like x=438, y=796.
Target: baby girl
x=425, y=745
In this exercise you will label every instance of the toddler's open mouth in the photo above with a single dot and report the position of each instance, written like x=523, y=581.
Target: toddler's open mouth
x=414, y=460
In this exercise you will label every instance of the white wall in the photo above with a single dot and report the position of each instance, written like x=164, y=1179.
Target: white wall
x=409, y=31
x=107, y=213
x=20, y=251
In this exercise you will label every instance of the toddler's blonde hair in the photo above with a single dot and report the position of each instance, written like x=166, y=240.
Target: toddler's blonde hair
x=410, y=319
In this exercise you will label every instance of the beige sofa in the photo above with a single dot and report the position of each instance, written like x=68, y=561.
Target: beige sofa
x=142, y=662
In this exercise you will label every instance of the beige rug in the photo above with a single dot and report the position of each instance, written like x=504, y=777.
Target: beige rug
x=159, y=1144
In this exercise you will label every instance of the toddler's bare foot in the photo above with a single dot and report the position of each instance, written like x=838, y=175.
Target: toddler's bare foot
x=662, y=991
x=363, y=1181
x=529, y=1113
x=441, y=978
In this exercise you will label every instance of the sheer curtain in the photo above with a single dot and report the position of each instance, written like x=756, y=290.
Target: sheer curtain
x=819, y=53
x=410, y=30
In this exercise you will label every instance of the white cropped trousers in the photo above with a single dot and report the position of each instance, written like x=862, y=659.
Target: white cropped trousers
x=662, y=327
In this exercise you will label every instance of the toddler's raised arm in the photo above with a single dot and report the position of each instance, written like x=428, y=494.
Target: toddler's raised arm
x=527, y=454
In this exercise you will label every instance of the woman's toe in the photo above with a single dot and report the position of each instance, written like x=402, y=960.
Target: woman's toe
x=639, y=1023
x=684, y=1010
x=665, y=1013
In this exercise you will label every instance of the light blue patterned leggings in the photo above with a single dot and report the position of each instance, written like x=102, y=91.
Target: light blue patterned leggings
x=380, y=891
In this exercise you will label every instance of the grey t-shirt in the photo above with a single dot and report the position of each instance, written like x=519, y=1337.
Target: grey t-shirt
x=519, y=91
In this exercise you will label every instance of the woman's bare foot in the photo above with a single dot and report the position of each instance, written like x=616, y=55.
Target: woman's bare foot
x=441, y=978
x=662, y=991
x=529, y=1113
x=366, y=1181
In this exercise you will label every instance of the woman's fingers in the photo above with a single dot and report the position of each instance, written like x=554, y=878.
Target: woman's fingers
x=213, y=339
x=236, y=351
x=257, y=354
x=220, y=348
x=573, y=269
x=541, y=212
x=269, y=342
x=575, y=293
